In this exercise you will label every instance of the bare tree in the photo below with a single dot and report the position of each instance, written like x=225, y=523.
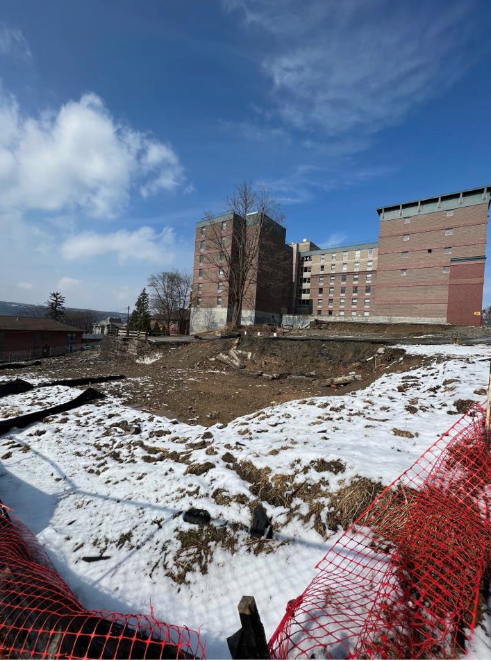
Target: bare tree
x=169, y=296
x=83, y=319
x=233, y=259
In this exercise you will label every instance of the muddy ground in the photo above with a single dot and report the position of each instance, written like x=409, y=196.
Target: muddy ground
x=190, y=383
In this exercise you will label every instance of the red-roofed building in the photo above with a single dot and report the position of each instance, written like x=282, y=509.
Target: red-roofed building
x=24, y=338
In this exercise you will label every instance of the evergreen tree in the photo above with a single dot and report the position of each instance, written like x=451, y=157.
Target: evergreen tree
x=55, y=306
x=140, y=317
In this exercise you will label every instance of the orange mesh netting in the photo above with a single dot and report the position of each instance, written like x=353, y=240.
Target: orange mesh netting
x=403, y=581
x=41, y=618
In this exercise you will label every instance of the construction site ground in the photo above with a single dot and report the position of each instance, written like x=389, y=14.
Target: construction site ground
x=194, y=383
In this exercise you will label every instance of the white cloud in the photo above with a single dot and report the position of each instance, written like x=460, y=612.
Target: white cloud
x=68, y=283
x=357, y=65
x=335, y=239
x=25, y=285
x=14, y=44
x=144, y=244
x=78, y=158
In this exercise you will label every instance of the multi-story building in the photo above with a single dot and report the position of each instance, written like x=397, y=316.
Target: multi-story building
x=428, y=266
x=220, y=243
x=432, y=254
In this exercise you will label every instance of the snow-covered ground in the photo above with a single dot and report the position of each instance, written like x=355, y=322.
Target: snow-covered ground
x=108, y=480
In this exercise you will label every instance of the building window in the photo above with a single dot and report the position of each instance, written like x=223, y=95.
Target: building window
x=198, y=301
x=305, y=291
x=323, y=258
x=219, y=300
x=224, y=225
x=369, y=264
x=405, y=237
x=449, y=214
x=345, y=267
x=403, y=271
x=369, y=277
x=332, y=279
x=407, y=221
x=448, y=231
x=447, y=250
x=202, y=245
x=341, y=313
x=200, y=273
x=367, y=302
x=220, y=271
x=222, y=256
x=368, y=289
x=405, y=253
x=307, y=269
x=430, y=250
x=333, y=256
x=329, y=312
x=319, y=303
x=446, y=269
x=333, y=267
x=357, y=266
x=321, y=280
x=321, y=290
x=341, y=302
x=330, y=302
x=357, y=254
x=343, y=290
x=222, y=242
x=354, y=302
x=366, y=314
x=353, y=314
x=343, y=278
x=200, y=288
x=345, y=256
x=201, y=259
x=331, y=290
x=203, y=231
x=220, y=286
x=370, y=252
x=355, y=277
x=355, y=290
x=306, y=281
x=322, y=268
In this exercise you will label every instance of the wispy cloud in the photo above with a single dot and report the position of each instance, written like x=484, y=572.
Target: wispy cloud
x=334, y=240
x=14, y=44
x=357, y=65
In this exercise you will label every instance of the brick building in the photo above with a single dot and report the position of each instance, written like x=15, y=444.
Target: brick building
x=23, y=338
x=427, y=266
x=432, y=254
x=220, y=244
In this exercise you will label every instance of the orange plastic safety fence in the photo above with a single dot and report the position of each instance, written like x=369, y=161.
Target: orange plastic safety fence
x=403, y=581
x=40, y=618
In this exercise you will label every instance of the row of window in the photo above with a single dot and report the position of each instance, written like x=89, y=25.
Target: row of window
x=368, y=290
x=339, y=313
x=332, y=279
x=334, y=255
x=220, y=272
x=224, y=227
x=447, y=251
x=445, y=269
x=219, y=287
x=198, y=301
x=448, y=232
x=344, y=267
x=220, y=242
x=202, y=257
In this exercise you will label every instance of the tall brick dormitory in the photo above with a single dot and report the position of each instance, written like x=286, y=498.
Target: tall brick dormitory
x=427, y=267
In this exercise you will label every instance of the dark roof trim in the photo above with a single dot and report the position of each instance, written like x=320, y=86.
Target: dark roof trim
x=479, y=258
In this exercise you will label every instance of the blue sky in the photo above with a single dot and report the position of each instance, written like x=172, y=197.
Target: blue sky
x=122, y=122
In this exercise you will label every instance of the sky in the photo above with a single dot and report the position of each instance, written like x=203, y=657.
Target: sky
x=123, y=123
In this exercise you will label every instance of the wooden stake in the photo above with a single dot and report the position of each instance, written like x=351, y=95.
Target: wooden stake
x=249, y=642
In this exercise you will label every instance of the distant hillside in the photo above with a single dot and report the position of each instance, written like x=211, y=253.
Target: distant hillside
x=8, y=309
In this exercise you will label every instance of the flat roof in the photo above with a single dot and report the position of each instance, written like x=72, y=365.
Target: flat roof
x=355, y=246
x=35, y=324
x=447, y=201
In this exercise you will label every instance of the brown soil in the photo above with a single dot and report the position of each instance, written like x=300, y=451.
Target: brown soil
x=189, y=383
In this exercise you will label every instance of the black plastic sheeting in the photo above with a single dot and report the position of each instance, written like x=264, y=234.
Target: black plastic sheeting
x=83, y=382
x=89, y=395
x=16, y=366
x=15, y=387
